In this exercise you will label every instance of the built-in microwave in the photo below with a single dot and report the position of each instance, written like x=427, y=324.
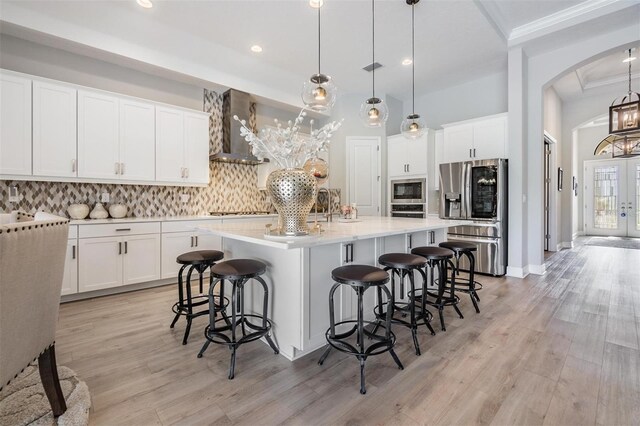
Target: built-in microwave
x=408, y=191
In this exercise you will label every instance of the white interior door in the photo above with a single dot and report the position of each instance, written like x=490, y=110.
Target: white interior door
x=606, y=198
x=363, y=174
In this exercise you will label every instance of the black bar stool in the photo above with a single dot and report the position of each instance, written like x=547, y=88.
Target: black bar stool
x=197, y=261
x=360, y=278
x=438, y=258
x=239, y=272
x=465, y=285
x=403, y=265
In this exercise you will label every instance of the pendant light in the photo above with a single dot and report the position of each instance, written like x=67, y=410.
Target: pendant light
x=624, y=116
x=373, y=111
x=413, y=126
x=319, y=92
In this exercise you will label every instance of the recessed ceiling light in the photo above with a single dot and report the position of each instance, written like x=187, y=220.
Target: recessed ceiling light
x=256, y=49
x=145, y=3
x=316, y=4
x=407, y=61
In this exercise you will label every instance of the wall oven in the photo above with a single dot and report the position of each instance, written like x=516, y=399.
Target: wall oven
x=408, y=191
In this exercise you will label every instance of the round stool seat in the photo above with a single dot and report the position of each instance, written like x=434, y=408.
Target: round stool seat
x=402, y=260
x=238, y=268
x=360, y=275
x=433, y=253
x=459, y=246
x=199, y=257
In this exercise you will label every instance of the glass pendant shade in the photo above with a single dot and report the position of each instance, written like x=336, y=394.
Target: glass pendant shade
x=319, y=92
x=374, y=112
x=413, y=126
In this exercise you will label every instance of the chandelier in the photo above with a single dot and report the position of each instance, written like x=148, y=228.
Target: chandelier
x=624, y=116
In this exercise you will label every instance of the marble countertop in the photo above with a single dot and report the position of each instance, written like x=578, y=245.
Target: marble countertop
x=166, y=219
x=334, y=232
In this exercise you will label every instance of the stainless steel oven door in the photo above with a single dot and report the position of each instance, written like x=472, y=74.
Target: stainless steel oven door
x=490, y=256
x=408, y=191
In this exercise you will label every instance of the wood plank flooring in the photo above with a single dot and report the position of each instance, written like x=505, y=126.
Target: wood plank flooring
x=560, y=349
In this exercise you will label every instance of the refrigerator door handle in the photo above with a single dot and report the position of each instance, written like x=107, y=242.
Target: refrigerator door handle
x=466, y=200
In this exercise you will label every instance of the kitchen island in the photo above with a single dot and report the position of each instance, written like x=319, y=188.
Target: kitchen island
x=299, y=269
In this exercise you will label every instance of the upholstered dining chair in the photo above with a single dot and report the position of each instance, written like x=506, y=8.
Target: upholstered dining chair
x=32, y=257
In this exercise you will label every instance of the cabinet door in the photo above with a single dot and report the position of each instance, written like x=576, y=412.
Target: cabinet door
x=437, y=157
x=170, y=162
x=196, y=145
x=15, y=130
x=458, y=143
x=141, y=258
x=99, y=263
x=97, y=135
x=417, y=155
x=54, y=130
x=397, y=156
x=208, y=241
x=489, y=138
x=70, y=279
x=137, y=140
x=173, y=245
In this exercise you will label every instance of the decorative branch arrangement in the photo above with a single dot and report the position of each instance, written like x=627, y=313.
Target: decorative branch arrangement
x=286, y=145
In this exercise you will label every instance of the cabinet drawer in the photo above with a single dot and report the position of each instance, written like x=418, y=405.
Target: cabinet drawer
x=118, y=229
x=186, y=225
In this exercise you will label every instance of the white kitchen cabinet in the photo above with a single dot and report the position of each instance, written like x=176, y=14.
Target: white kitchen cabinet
x=407, y=157
x=137, y=141
x=478, y=139
x=98, y=134
x=100, y=263
x=176, y=243
x=196, y=145
x=182, y=146
x=54, y=129
x=437, y=158
x=15, y=130
x=70, y=278
x=141, y=258
x=106, y=262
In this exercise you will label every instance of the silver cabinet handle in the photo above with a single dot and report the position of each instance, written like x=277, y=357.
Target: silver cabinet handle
x=117, y=167
x=121, y=168
x=119, y=248
x=196, y=241
x=474, y=153
x=183, y=173
x=73, y=165
x=192, y=241
x=123, y=229
x=73, y=251
x=187, y=172
x=126, y=250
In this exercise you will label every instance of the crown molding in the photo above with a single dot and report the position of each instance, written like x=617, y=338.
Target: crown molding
x=495, y=18
x=622, y=78
x=566, y=18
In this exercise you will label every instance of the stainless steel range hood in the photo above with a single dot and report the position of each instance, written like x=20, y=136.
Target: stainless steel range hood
x=234, y=148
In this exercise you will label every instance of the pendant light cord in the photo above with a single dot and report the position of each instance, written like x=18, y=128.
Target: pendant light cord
x=629, y=74
x=373, y=44
x=319, y=40
x=413, y=60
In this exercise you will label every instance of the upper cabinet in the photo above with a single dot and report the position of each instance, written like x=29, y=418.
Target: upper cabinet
x=478, y=139
x=80, y=134
x=182, y=142
x=407, y=157
x=15, y=127
x=54, y=129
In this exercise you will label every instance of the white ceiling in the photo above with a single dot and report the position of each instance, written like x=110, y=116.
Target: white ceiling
x=601, y=77
x=456, y=40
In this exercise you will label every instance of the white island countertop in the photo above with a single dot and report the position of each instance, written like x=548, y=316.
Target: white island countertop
x=334, y=232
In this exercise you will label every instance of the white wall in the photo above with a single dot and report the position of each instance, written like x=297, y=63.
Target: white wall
x=475, y=98
x=553, y=127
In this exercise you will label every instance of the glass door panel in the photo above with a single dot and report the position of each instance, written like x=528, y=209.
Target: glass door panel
x=605, y=198
x=484, y=192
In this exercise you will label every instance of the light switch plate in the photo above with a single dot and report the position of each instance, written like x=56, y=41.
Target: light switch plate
x=14, y=197
x=104, y=197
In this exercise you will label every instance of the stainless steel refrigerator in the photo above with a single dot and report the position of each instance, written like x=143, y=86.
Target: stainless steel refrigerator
x=477, y=191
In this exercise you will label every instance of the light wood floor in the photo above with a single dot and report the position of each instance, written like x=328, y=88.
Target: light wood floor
x=559, y=349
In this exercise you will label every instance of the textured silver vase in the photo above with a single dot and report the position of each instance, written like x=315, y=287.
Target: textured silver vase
x=292, y=192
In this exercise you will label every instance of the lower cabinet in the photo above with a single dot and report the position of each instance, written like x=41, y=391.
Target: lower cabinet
x=107, y=262
x=176, y=243
x=70, y=279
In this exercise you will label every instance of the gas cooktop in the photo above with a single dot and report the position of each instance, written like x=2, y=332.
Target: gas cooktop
x=239, y=213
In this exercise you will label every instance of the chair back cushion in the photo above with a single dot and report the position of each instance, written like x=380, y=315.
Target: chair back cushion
x=32, y=258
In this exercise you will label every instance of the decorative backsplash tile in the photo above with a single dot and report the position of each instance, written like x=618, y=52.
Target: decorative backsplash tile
x=232, y=187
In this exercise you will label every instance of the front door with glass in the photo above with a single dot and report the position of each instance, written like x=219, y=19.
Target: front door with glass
x=612, y=194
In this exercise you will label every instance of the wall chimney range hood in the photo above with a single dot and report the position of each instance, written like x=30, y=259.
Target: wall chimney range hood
x=234, y=148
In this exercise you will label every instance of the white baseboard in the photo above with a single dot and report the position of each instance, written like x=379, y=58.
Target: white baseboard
x=577, y=234
x=537, y=269
x=516, y=272
x=567, y=244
